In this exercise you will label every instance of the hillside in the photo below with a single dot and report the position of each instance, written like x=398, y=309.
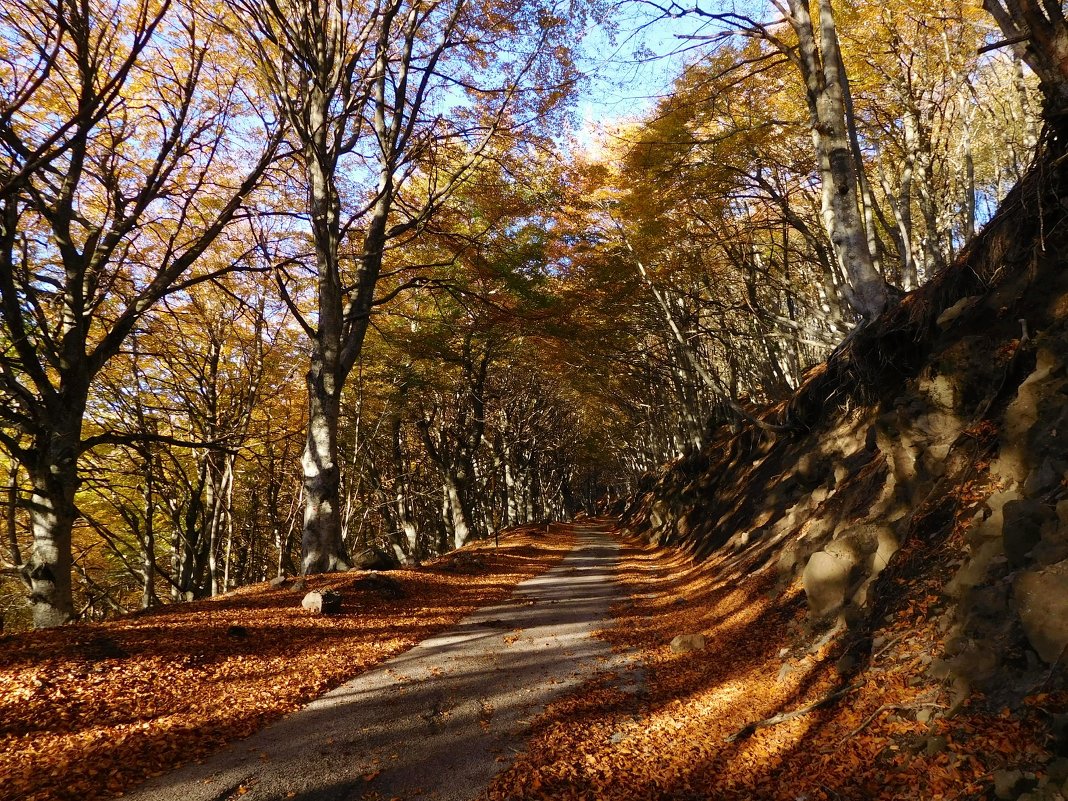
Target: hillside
x=879, y=562
x=877, y=565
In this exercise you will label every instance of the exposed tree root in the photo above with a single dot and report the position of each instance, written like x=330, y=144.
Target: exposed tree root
x=748, y=729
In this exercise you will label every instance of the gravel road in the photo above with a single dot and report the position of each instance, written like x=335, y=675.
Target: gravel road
x=439, y=721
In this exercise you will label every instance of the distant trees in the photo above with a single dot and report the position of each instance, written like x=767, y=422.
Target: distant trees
x=390, y=106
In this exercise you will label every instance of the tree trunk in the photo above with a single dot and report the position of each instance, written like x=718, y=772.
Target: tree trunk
x=824, y=73
x=1040, y=33
x=54, y=479
x=460, y=518
x=148, y=555
x=219, y=502
x=13, y=550
x=229, y=508
x=512, y=499
x=321, y=540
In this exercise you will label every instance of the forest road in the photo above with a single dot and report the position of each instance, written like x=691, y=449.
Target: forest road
x=440, y=720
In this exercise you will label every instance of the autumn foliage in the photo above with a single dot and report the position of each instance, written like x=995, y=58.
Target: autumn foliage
x=688, y=733
x=86, y=711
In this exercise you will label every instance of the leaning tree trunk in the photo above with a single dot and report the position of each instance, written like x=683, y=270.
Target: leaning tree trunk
x=825, y=80
x=1039, y=31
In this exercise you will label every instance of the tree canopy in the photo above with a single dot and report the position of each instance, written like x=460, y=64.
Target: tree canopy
x=284, y=284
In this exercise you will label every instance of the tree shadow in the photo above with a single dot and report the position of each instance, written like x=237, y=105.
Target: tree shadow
x=105, y=705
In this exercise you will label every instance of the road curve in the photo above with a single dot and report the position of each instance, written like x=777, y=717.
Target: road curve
x=438, y=721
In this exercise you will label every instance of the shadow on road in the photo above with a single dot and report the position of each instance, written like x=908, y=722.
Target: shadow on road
x=438, y=721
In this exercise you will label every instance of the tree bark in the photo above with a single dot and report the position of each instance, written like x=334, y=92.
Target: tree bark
x=824, y=74
x=13, y=550
x=321, y=539
x=54, y=481
x=148, y=546
x=460, y=522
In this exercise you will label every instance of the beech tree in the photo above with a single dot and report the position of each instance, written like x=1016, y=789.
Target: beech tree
x=124, y=157
x=1039, y=31
x=827, y=91
x=391, y=104
x=815, y=51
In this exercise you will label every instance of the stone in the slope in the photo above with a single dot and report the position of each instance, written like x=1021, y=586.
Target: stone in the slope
x=685, y=643
x=827, y=579
x=324, y=603
x=990, y=528
x=278, y=581
x=1045, y=477
x=1030, y=420
x=1042, y=603
x=791, y=557
x=941, y=391
x=886, y=543
x=946, y=318
x=811, y=469
x=1049, y=552
x=840, y=573
x=978, y=662
x=1012, y=464
x=974, y=570
x=374, y=559
x=990, y=602
x=1022, y=526
x=660, y=515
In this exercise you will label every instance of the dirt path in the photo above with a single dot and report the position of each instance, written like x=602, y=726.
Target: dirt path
x=439, y=721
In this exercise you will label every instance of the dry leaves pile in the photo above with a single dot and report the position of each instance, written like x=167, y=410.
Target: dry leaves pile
x=86, y=711
x=883, y=738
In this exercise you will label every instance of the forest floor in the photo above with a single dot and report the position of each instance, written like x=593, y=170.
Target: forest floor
x=88, y=711
x=763, y=711
x=519, y=691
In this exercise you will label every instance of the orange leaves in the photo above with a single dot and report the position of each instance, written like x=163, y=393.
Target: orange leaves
x=75, y=725
x=883, y=741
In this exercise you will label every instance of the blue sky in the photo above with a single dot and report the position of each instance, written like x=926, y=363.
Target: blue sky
x=632, y=69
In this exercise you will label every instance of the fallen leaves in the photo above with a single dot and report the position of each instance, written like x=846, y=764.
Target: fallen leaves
x=881, y=740
x=88, y=711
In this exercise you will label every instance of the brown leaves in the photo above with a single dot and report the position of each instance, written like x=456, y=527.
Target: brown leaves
x=668, y=741
x=86, y=711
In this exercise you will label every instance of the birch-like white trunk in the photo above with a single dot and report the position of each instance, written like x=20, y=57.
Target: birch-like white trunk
x=824, y=73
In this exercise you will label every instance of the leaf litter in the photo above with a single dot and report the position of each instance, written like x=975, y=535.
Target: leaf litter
x=87, y=711
x=762, y=714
